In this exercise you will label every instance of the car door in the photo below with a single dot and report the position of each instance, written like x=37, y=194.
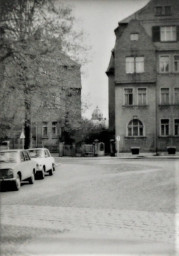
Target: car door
x=22, y=165
x=47, y=160
x=51, y=159
x=28, y=165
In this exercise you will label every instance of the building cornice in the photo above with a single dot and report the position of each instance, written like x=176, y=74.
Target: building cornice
x=135, y=82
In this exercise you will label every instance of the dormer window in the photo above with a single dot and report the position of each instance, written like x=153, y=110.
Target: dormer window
x=163, y=10
x=167, y=10
x=134, y=37
x=158, y=10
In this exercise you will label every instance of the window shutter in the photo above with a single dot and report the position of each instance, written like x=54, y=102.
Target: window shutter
x=156, y=34
x=177, y=33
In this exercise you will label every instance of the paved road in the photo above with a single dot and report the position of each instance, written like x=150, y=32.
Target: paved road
x=94, y=206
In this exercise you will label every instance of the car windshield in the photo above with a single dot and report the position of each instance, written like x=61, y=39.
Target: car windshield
x=9, y=157
x=36, y=153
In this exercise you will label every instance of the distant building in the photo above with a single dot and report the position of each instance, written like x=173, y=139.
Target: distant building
x=143, y=78
x=97, y=118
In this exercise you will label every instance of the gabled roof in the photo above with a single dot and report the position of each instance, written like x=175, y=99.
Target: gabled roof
x=134, y=16
x=110, y=69
x=60, y=58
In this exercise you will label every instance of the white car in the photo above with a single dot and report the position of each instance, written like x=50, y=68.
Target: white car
x=45, y=163
x=16, y=166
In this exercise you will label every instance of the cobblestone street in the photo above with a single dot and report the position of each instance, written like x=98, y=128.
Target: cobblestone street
x=53, y=217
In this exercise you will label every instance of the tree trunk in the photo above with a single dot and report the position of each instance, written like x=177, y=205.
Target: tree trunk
x=27, y=124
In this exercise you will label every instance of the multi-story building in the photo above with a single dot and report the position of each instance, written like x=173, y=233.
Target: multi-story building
x=143, y=78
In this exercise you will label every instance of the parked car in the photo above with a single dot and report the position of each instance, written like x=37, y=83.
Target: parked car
x=16, y=166
x=45, y=162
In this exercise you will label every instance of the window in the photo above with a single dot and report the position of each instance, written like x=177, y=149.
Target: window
x=163, y=10
x=45, y=129
x=26, y=156
x=164, y=96
x=176, y=95
x=47, y=154
x=135, y=128
x=167, y=10
x=130, y=65
x=142, y=95
x=134, y=65
x=168, y=33
x=134, y=37
x=22, y=157
x=164, y=127
x=165, y=33
x=139, y=64
x=176, y=127
x=164, y=62
x=54, y=128
x=176, y=63
x=158, y=10
x=128, y=97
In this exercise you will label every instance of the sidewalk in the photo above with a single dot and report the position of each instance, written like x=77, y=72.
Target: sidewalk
x=128, y=155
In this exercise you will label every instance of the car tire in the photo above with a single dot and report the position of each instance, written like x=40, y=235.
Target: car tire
x=42, y=174
x=51, y=171
x=31, y=179
x=17, y=183
x=53, y=167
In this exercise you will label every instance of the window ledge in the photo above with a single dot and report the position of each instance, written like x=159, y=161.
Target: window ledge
x=136, y=106
x=138, y=74
x=168, y=105
x=164, y=105
x=135, y=137
x=168, y=136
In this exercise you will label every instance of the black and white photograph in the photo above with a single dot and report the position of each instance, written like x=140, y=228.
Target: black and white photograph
x=89, y=127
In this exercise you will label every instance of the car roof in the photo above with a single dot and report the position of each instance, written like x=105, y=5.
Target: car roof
x=12, y=150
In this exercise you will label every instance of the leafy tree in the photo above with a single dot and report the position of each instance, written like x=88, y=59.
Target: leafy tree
x=30, y=32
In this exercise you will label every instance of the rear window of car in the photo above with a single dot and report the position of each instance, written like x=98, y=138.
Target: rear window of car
x=9, y=156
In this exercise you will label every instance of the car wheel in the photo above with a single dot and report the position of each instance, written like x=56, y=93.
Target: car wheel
x=17, y=183
x=51, y=171
x=31, y=179
x=42, y=174
x=53, y=167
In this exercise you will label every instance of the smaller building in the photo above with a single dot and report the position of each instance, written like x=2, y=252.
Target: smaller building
x=97, y=118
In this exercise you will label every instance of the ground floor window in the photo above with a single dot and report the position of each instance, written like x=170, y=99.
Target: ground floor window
x=164, y=127
x=135, y=128
x=54, y=128
x=45, y=129
x=176, y=128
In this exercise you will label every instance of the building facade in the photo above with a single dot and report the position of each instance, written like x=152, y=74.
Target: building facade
x=143, y=78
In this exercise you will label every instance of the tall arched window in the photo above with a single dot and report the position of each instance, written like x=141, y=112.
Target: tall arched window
x=135, y=128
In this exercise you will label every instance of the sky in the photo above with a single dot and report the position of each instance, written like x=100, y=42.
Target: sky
x=98, y=19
